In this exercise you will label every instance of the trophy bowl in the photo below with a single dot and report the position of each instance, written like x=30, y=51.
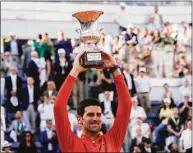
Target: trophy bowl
x=90, y=36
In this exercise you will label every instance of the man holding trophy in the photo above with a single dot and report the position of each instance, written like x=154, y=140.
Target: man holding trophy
x=89, y=113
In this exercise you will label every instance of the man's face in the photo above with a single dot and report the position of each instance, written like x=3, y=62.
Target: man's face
x=107, y=95
x=18, y=115
x=49, y=124
x=175, y=111
x=13, y=70
x=92, y=119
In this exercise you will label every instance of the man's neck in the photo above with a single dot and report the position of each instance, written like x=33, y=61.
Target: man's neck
x=92, y=136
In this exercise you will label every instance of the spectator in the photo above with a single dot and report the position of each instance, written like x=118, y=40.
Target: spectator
x=165, y=113
x=30, y=99
x=51, y=90
x=78, y=130
x=184, y=108
x=73, y=119
x=138, y=149
x=64, y=43
x=46, y=47
x=37, y=43
x=143, y=87
x=33, y=69
x=138, y=140
x=13, y=84
x=158, y=19
x=148, y=146
x=46, y=112
x=6, y=147
x=7, y=63
x=151, y=25
x=136, y=111
x=130, y=36
x=186, y=138
x=167, y=93
x=78, y=92
x=109, y=110
x=175, y=126
x=48, y=138
x=120, y=19
x=14, y=47
x=129, y=80
x=27, y=144
x=184, y=90
x=173, y=148
x=62, y=68
x=18, y=126
x=27, y=54
x=146, y=131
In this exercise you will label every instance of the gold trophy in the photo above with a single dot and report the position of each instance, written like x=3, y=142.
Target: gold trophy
x=90, y=36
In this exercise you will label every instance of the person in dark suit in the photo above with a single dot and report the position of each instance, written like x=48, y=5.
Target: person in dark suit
x=148, y=146
x=138, y=140
x=30, y=99
x=62, y=68
x=13, y=84
x=129, y=78
x=15, y=47
x=33, y=69
x=48, y=139
x=130, y=36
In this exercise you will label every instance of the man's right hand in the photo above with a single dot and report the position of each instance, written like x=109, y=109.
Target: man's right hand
x=77, y=68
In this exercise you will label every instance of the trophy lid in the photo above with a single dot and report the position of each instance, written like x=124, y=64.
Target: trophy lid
x=87, y=16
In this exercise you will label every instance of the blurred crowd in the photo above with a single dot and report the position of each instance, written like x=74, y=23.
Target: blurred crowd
x=33, y=73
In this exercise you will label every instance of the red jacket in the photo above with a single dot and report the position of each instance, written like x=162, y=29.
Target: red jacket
x=111, y=141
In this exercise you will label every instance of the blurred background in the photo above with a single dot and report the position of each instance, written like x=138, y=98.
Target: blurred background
x=151, y=42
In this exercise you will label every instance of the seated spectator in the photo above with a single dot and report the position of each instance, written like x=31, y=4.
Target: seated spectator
x=109, y=110
x=48, y=138
x=175, y=126
x=146, y=131
x=130, y=36
x=148, y=146
x=165, y=113
x=6, y=147
x=27, y=144
x=138, y=140
x=136, y=111
x=186, y=138
x=18, y=126
x=46, y=112
x=138, y=149
x=184, y=108
x=7, y=63
x=173, y=148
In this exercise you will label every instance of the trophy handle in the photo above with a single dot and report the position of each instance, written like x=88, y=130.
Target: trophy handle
x=78, y=31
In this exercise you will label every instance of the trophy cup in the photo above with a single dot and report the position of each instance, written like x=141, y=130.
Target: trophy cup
x=90, y=36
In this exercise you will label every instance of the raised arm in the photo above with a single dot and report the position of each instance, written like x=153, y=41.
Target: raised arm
x=118, y=131
x=62, y=123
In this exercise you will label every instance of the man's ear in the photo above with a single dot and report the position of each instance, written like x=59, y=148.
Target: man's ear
x=79, y=119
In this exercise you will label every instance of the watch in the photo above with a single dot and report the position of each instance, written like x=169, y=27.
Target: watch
x=114, y=68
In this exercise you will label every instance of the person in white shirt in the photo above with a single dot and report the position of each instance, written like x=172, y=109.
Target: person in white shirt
x=184, y=90
x=121, y=18
x=46, y=112
x=146, y=131
x=186, y=138
x=158, y=19
x=143, y=86
x=136, y=111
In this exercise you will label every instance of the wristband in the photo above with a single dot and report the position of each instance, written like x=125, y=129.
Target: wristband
x=114, y=68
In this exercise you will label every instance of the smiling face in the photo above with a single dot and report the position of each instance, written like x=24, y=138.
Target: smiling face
x=91, y=120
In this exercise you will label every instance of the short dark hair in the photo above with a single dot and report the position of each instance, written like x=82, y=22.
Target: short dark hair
x=85, y=103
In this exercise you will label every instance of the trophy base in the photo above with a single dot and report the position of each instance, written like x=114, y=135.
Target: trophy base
x=93, y=59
